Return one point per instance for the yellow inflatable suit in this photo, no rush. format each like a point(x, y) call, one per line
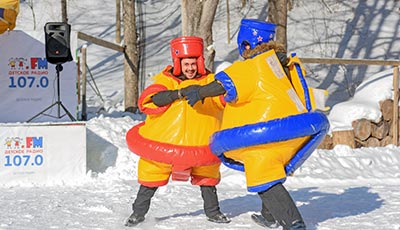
point(267, 120)
point(9, 10)
point(175, 138)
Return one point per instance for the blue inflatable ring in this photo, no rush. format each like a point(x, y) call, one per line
point(314, 124)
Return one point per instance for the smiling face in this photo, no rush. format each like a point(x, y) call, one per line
point(189, 67)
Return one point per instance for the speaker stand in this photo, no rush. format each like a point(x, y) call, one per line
point(58, 103)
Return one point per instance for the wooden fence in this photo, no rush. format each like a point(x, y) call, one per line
point(99, 42)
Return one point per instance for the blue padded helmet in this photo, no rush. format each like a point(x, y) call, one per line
point(254, 32)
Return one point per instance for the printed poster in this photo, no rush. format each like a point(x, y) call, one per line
point(28, 83)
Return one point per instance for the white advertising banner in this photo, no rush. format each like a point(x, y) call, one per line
point(28, 83)
point(43, 154)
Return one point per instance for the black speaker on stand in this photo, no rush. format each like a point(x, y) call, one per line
point(57, 42)
point(58, 52)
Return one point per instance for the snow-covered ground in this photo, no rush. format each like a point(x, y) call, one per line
point(341, 188)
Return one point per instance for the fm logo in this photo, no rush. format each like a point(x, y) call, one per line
point(34, 142)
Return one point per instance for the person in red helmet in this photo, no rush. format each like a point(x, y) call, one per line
point(173, 142)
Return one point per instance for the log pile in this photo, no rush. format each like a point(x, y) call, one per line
point(365, 133)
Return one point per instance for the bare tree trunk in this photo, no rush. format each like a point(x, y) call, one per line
point(131, 57)
point(290, 5)
point(118, 21)
point(197, 20)
point(64, 14)
point(185, 17)
point(244, 3)
point(30, 4)
point(228, 22)
point(277, 14)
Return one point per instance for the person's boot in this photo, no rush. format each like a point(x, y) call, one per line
point(211, 205)
point(298, 225)
point(269, 219)
point(265, 219)
point(281, 206)
point(263, 222)
point(141, 205)
point(219, 218)
point(134, 219)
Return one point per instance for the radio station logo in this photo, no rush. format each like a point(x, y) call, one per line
point(23, 145)
point(27, 66)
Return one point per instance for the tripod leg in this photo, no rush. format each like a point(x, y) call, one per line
point(58, 102)
point(69, 114)
point(42, 112)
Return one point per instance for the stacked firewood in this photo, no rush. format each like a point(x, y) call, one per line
point(365, 133)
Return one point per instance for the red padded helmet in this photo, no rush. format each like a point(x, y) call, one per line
point(185, 47)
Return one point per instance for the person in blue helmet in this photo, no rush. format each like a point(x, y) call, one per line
point(255, 93)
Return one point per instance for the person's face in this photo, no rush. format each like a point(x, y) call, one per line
point(189, 67)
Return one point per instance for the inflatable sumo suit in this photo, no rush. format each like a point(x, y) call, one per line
point(174, 139)
point(269, 127)
point(9, 10)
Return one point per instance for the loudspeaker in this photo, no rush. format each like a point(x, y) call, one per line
point(57, 42)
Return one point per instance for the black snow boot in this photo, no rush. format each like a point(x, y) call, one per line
point(269, 219)
point(133, 220)
point(263, 222)
point(211, 205)
point(298, 225)
point(266, 219)
point(219, 218)
point(281, 206)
